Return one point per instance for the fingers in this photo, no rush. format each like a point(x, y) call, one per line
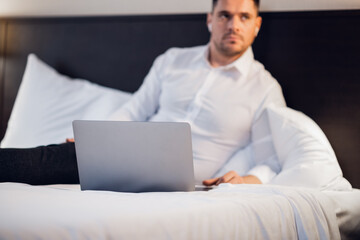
point(210, 182)
point(70, 140)
point(227, 177)
point(230, 177)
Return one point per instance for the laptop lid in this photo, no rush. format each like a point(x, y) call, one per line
point(134, 156)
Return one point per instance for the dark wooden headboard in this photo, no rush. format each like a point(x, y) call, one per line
point(314, 55)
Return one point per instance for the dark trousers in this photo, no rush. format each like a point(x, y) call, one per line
point(53, 164)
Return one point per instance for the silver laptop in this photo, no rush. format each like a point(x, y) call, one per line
point(134, 156)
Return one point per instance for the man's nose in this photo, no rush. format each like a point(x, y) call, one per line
point(234, 24)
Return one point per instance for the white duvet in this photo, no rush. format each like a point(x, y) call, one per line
point(229, 212)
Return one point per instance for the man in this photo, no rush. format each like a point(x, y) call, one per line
point(218, 88)
point(234, 25)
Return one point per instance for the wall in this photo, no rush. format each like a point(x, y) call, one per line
point(308, 5)
point(103, 7)
point(21, 8)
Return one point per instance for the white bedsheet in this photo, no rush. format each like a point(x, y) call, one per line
point(347, 212)
point(229, 212)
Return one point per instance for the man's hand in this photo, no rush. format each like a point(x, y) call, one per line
point(232, 177)
point(70, 140)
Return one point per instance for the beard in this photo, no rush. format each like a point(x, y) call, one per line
point(228, 51)
point(230, 48)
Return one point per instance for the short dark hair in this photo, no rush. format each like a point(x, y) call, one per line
point(257, 3)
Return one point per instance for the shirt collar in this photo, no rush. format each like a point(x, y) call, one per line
point(242, 64)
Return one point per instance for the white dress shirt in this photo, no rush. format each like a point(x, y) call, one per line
point(221, 104)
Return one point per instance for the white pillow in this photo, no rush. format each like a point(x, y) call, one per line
point(48, 102)
point(303, 151)
point(304, 154)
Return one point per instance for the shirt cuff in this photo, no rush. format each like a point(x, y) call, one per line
point(263, 172)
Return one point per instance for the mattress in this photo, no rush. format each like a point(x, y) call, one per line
point(347, 209)
point(228, 212)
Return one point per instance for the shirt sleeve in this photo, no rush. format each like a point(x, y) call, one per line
point(145, 101)
point(267, 165)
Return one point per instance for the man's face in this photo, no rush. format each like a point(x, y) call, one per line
point(234, 25)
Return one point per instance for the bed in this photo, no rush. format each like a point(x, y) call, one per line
point(112, 53)
point(230, 212)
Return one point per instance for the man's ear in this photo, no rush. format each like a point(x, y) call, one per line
point(209, 21)
point(209, 18)
point(258, 25)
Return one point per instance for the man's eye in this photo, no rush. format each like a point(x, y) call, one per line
point(244, 17)
point(224, 16)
